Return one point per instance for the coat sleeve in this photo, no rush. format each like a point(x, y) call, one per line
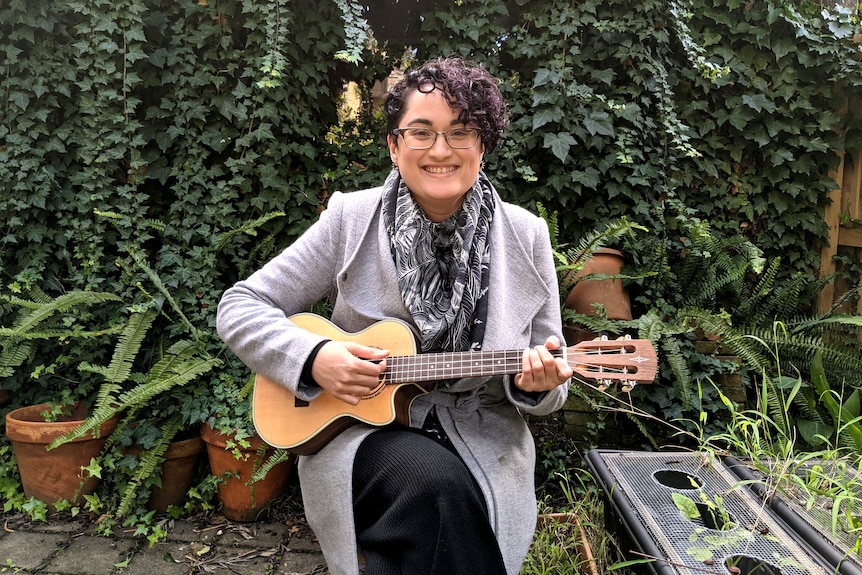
point(253, 315)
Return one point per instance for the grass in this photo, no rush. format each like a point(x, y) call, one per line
point(582, 544)
point(565, 540)
point(826, 478)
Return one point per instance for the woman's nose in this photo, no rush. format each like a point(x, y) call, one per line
point(440, 147)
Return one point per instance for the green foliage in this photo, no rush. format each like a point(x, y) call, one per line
point(568, 538)
point(835, 415)
point(618, 107)
point(122, 391)
point(40, 322)
point(206, 116)
point(158, 125)
point(555, 549)
point(159, 151)
point(709, 510)
point(683, 117)
point(10, 481)
point(188, 121)
point(735, 298)
point(570, 260)
point(813, 467)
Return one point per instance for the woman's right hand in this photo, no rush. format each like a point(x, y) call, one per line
point(349, 371)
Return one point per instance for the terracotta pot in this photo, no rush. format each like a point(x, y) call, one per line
point(575, 334)
point(242, 502)
point(608, 292)
point(178, 472)
point(56, 474)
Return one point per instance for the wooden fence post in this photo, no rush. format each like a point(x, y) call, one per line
point(845, 204)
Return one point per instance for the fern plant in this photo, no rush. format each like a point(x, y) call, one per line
point(700, 284)
point(126, 388)
point(158, 390)
point(571, 259)
point(139, 384)
point(41, 319)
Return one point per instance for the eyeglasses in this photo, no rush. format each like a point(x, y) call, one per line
point(424, 139)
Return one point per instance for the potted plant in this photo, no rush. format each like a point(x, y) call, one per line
point(590, 274)
point(605, 294)
point(63, 473)
point(252, 474)
point(130, 397)
point(53, 475)
point(176, 470)
point(163, 439)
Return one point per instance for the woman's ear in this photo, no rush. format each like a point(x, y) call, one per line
point(393, 148)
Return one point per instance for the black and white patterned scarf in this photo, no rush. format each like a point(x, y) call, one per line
point(442, 267)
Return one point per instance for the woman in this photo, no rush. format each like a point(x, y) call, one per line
point(437, 248)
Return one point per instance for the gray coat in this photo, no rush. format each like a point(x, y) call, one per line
point(345, 257)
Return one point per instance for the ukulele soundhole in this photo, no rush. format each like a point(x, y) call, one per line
point(376, 391)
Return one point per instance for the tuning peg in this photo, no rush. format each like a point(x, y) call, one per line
point(626, 386)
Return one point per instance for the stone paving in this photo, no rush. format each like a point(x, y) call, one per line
point(71, 546)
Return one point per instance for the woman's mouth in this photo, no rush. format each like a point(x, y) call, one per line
point(440, 169)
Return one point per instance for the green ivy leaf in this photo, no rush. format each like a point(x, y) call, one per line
point(599, 123)
point(758, 102)
point(544, 76)
point(94, 469)
point(20, 99)
point(546, 115)
point(559, 144)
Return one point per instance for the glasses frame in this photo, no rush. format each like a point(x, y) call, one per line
point(445, 134)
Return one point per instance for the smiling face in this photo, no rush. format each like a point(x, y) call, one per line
point(440, 176)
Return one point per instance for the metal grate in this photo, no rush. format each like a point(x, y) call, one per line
point(641, 487)
point(811, 514)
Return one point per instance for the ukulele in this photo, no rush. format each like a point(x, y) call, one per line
point(305, 427)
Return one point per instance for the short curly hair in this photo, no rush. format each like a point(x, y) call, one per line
point(467, 87)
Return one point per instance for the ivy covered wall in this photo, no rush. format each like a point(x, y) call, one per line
point(730, 107)
point(202, 136)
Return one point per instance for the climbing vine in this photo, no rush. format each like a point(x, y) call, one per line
point(211, 132)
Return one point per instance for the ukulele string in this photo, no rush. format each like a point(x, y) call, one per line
point(446, 365)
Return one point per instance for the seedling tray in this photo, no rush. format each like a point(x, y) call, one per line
point(749, 540)
point(811, 516)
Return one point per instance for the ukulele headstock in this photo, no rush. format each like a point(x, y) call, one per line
point(625, 362)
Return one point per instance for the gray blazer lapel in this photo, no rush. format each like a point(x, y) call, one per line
point(368, 284)
point(517, 290)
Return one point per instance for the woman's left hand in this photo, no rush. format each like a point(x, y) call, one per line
point(541, 371)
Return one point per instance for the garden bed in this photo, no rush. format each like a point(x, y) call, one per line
point(685, 512)
point(819, 503)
